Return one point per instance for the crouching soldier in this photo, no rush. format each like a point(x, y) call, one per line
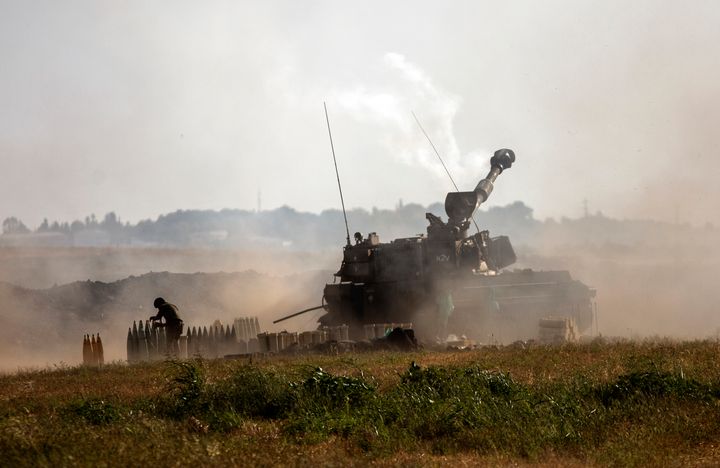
point(173, 324)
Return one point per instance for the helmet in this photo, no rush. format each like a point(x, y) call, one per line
point(158, 302)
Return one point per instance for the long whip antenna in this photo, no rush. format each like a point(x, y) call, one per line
point(337, 174)
point(437, 153)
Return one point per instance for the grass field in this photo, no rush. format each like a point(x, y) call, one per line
point(651, 403)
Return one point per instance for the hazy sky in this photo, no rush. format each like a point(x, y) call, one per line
point(146, 107)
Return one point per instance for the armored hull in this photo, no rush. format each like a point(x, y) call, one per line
point(507, 307)
point(489, 308)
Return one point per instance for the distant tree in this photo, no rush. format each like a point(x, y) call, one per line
point(111, 224)
point(110, 221)
point(44, 227)
point(77, 226)
point(518, 211)
point(91, 222)
point(12, 225)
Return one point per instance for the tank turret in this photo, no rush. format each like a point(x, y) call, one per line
point(460, 206)
point(449, 246)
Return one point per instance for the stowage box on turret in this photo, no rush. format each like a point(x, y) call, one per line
point(449, 282)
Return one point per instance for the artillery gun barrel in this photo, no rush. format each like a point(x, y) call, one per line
point(501, 160)
point(460, 206)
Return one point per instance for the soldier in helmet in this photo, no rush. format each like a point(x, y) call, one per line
point(173, 324)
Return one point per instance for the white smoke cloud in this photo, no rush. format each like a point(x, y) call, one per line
point(388, 104)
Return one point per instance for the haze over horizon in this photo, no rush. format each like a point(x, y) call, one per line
point(146, 108)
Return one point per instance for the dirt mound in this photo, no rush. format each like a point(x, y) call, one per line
point(40, 326)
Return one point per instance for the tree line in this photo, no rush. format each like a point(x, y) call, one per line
point(286, 227)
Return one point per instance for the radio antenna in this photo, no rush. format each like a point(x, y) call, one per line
point(337, 174)
point(437, 153)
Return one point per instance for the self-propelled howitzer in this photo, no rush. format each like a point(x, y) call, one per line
point(449, 282)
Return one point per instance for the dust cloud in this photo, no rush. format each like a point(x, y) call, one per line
point(44, 267)
point(665, 287)
point(42, 322)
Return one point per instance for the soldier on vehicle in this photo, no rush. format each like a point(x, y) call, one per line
point(173, 324)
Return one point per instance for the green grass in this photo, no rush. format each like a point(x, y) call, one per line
point(608, 404)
